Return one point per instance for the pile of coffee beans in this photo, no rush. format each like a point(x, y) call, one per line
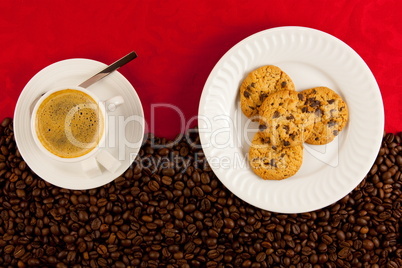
point(170, 210)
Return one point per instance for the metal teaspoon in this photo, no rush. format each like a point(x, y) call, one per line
point(102, 74)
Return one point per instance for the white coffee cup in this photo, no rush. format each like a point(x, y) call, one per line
point(87, 159)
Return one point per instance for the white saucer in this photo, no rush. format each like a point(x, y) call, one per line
point(73, 72)
point(311, 58)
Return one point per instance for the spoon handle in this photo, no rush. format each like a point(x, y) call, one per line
point(108, 70)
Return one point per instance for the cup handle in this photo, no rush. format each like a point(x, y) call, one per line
point(112, 103)
point(108, 161)
point(91, 168)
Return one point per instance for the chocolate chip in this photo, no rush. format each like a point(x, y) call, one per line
point(252, 85)
point(331, 124)
point(266, 140)
point(300, 96)
point(335, 132)
point(263, 96)
point(315, 103)
point(286, 143)
point(283, 84)
point(262, 127)
point(290, 117)
point(331, 101)
point(246, 94)
point(276, 114)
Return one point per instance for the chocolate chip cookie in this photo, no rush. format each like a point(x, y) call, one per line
point(259, 84)
point(329, 111)
point(282, 121)
point(274, 162)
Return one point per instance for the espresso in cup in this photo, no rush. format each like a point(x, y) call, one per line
point(69, 123)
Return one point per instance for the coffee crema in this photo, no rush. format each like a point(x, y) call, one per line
point(69, 123)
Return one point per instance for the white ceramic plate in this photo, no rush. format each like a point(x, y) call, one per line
point(73, 72)
point(311, 58)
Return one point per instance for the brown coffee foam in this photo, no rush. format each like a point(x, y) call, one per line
point(83, 117)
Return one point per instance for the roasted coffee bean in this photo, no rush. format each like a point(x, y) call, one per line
point(102, 250)
point(368, 244)
point(189, 208)
point(6, 122)
point(261, 257)
point(96, 223)
point(295, 229)
point(197, 192)
point(69, 239)
point(153, 185)
point(327, 239)
point(341, 235)
point(166, 180)
point(4, 150)
point(19, 251)
point(8, 249)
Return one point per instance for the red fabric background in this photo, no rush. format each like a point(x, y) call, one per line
point(179, 42)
